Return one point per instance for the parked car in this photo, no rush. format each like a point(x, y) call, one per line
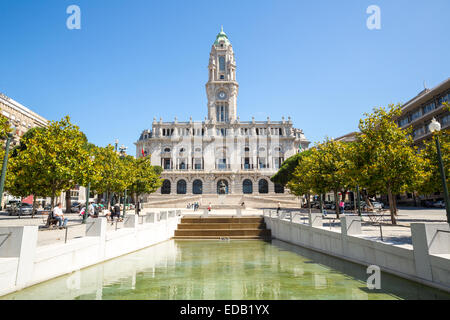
point(21, 209)
point(11, 203)
point(428, 204)
point(76, 207)
point(378, 205)
point(439, 204)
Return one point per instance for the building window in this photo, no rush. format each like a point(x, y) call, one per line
point(167, 164)
point(445, 120)
point(277, 163)
point(263, 186)
point(403, 121)
point(222, 113)
point(443, 99)
point(222, 164)
point(181, 187)
point(418, 132)
point(221, 63)
point(165, 189)
point(279, 188)
point(429, 107)
point(247, 186)
point(262, 163)
point(166, 149)
point(416, 115)
point(246, 149)
point(197, 187)
point(197, 164)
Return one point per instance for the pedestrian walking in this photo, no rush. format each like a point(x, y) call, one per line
point(341, 206)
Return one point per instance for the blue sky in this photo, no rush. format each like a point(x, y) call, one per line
point(315, 61)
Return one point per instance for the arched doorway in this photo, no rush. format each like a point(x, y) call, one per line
point(263, 186)
point(221, 183)
point(197, 187)
point(165, 188)
point(247, 186)
point(181, 187)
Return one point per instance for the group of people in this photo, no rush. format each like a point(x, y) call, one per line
point(194, 206)
point(93, 211)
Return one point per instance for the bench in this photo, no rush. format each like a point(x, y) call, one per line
point(53, 222)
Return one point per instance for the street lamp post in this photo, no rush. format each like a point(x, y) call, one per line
point(88, 191)
point(359, 201)
point(116, 143)
point(5, 162)
point(122, 155)
point(436, 127)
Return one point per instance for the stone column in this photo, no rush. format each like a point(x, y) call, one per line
point(131, 221)
point(350, 225)
point(315, 219)
point(429, 239)
point(20, 242)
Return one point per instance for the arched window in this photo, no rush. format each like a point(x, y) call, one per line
point(279, 188)
point(197, 187)
point(220, 185)
point(166, 149)
point(263, 186)
point(181, 187)
point(247, 186)
point(165, 189)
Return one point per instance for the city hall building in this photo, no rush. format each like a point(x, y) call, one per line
point(221, 155)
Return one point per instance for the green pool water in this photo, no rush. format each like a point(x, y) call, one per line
point(225, 270)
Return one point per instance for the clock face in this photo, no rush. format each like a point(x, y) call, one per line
point(222, 95)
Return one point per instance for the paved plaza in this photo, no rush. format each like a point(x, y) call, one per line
point(398, 235)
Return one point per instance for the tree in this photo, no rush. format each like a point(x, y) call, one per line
point(300, 180)
point(146, 178)
point(55, 159)
point(114, 173)
point(384, 156)
point(330, 169)
point(287, 169)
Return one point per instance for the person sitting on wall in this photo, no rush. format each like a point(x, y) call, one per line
point(59, 215)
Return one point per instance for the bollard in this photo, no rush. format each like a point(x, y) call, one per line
point(350, 225)
point(150, 217)
point(429, 239)
point(130, 221)
point(315, 219)
point(20, 242)
point(163, 215)
point(95, 227)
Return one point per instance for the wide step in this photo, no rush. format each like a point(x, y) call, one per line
point(233, 228)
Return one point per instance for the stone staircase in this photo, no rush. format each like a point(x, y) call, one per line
point(248, 228)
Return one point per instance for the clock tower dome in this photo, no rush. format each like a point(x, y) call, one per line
point(222, 87)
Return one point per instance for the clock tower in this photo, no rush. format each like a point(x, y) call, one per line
point(222, 88)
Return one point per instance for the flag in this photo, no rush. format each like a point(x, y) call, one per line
point(142, 151)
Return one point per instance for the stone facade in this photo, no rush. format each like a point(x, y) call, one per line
point(199, 156)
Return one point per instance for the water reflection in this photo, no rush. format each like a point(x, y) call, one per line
point(225, 270)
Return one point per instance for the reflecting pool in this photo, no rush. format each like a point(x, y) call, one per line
point(226, 270)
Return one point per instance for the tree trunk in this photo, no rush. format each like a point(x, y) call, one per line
point(392, 207)
point(135, 203)
point(336, 202)
point(52, 204)
point(34, 206)
point(68, 202)
point(107, 200)
point(308, 201)
point(395, 205)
